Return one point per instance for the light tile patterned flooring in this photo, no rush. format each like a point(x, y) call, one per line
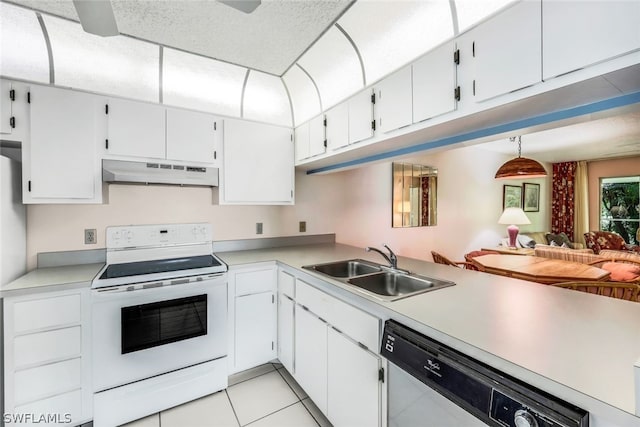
point(265, 396)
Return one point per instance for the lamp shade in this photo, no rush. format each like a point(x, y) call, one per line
point(515, 216)
point(521, 167)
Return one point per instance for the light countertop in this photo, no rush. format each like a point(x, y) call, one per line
point(577, 346)
point(559, 340)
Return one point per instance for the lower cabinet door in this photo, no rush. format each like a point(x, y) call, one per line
point(354, 392)
point(311, 356)
point(285, 332)
point(255, 330)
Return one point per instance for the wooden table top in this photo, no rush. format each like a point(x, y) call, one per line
point(539, 269)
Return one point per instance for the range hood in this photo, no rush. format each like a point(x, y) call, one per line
point(163, 172)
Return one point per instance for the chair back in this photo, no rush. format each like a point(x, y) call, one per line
point(473, 254)
point(441, 259)
point(598, 240)
point(625, 291)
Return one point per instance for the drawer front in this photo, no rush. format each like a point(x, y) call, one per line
point(48, 380)
point(46, 313)
point(286, 284)
point(65, 408)
point(355, 323)
point(252, 282)
point(47, 346)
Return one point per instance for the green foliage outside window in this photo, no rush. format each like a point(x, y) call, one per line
point(620, 206)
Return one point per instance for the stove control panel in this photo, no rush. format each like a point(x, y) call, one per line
point(139, 236)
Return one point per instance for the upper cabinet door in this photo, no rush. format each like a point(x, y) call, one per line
point(434, 80)
point(192, 136)
point(578, 34)
point(62, 159)
point(258, 163)
point(361, 116)
point(507, 51)
point(317, 140)
point(338, 127)
point(393, 101)
point(302, 141)
point(136, 129)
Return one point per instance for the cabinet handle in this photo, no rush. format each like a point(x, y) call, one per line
point(12, 94)
point(106, 144)
point(456, 93)
point(373, 98)
point(456, 57)
point(29, 186)
point(106, 108)
point(373, 125)
point(473, 49)
point(215, 155)
point(474, 88)
point(12, 122)
point(215, 125)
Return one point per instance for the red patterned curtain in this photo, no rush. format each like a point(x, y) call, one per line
point(562, 198)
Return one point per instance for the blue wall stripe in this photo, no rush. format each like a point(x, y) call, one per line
point(606, 104)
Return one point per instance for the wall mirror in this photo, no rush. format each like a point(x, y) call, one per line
point(415, 194)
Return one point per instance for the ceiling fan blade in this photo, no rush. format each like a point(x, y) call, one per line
point(96, 17)
point(246, 6)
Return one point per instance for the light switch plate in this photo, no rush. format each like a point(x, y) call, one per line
point(303, 227)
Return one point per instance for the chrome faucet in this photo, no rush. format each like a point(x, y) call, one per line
point(392, 259)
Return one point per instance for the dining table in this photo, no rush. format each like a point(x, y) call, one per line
point(539, 269)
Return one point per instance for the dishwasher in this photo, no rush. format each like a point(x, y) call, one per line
point(432, 385)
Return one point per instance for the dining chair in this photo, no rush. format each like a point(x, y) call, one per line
point(441, 259)
point(625, 291)
point(473, 254)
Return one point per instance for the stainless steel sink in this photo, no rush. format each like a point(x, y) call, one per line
point(392, 286)
point(378, 281)
point(349, 268)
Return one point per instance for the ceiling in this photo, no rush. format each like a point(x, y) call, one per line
point(611, 137)
point(270, 39)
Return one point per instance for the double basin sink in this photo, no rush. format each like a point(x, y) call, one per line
point(378, 281)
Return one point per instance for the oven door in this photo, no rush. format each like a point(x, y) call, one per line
point(143, 333)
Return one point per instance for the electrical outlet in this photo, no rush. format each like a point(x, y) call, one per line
point(303, 226)
point(258, 228)
point(90, 237)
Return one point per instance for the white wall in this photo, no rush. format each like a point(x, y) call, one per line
point(13, 222)
point(469, 205)
point(61, 227)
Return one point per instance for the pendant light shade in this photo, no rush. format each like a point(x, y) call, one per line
point(520, 167)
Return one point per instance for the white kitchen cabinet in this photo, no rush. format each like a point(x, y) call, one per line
point(255, 330)
point(286, 308)
point(252, 317)
point(353, 380)
point(192, 136)
point(579, 34)
point(301, 137)
point(337, 129)
point(506, 52)
point(135, 129)
point(393, 101)
point(60, 159)
point(311, 356)
point(7, 98)
point(258, 164)
point(310, 138)
point(434, 82)
point(47, 368)
point(361, 120)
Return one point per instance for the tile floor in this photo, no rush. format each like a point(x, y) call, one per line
point(265, 396)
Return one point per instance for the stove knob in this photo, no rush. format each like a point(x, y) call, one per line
point(523, 418)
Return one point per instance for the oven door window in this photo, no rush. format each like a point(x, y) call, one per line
point(155, 324)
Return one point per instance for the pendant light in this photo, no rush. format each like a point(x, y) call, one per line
point(520, 167)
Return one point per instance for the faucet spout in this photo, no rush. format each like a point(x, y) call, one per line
point(392, 259)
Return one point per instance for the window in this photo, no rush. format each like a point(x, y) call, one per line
point(620, 206)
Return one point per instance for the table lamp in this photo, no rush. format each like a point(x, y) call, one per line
point(513, 217)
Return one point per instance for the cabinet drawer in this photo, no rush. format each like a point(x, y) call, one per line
point(355, 323)
point(67, 407)
point(56, 378)
point(252, 282)
point(286, 284)
point(46, 313)
point(47, 346)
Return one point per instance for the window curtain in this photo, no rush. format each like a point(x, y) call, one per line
point(581, 212)
point(563, 198)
